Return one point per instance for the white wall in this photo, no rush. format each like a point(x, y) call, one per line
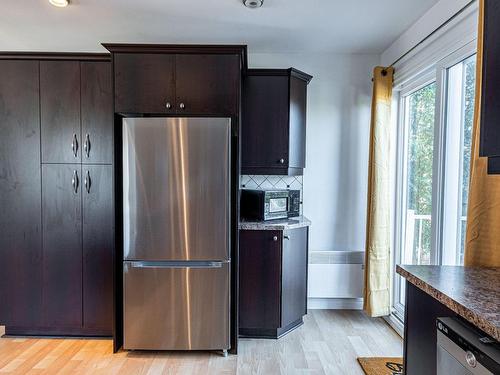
point(338, 122)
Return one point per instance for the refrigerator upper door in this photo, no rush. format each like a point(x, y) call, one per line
point(175, 306)
point(176, 188)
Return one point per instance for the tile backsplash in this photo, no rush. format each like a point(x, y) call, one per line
point(271, 182)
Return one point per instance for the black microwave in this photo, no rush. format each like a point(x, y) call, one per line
point(263, 205)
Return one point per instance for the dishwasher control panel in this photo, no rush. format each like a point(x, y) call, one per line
point(464, 349)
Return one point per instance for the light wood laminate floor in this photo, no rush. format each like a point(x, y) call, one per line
point(328, 343)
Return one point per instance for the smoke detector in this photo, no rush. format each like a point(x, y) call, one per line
point(253, 3)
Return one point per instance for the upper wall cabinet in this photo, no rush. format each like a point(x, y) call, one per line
point(490, 110)
point(76, 112)
point(177, 80)
point(274, 121)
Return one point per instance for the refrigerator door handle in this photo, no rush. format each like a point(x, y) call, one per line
point(178, 264)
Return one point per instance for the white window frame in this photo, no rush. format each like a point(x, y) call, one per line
point(401, 178)
point(436, 72)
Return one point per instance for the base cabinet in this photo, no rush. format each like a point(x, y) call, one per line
point(273, 281)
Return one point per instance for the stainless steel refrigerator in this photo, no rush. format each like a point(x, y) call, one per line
point(176, 229)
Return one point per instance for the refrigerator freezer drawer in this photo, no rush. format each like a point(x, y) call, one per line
point(176, 305)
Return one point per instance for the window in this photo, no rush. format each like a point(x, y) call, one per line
point(417, 141)
point(460, 90)
point(434, 141)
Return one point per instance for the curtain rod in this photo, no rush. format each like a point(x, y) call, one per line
point(433, 32)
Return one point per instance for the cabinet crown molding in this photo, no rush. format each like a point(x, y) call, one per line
point(220, 49)
point(281, 72)
point(10, 55)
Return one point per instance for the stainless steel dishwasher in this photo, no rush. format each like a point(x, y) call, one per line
point(464, 350)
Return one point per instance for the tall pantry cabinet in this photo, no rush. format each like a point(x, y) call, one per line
point(56, 184)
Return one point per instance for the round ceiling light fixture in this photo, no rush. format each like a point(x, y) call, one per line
point(59, 3)
point(253, 3)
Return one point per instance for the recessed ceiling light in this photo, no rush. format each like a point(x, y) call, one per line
point(253, 3)
point(59, 3)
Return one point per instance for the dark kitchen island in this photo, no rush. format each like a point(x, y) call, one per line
point(472, 294)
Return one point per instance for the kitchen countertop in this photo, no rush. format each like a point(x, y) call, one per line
point(280, 224)
point(473, 293)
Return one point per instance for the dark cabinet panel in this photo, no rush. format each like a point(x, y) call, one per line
point(294, 276)
point(274, 121)
point(144, 83)
point(264, 139)
point(98, 242)
point(97, 113)
point(20, 211)
point(273, 281)
point(421, 312)
point(297, 126)
point(260, 274)
point(207, 84)
point(62, 245)
point(490, 109)
point(60, 111)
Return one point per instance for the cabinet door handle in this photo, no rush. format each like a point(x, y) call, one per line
point(168, 105)
point(182, 106)
point(74, 145)
point(74, 181)
point(286, 237)
point(87, 182)
point(281, 161)
point(275, 238)
point(86, 145)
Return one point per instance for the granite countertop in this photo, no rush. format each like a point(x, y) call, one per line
point(473, 293)
point(280, 224)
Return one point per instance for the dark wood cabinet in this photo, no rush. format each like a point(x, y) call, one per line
point(273, 136)
point(62, 245)
point(421, 312)
point(208, 84)
point(57, 217)
point(60, 111)
point(96, 112)
point(98, 243)
point(20, 189)
point(144, 83)
point(273, 281)
point(490, 110)
point(294, 276)
point(204, 81)
point(78, 240)
point(260, 278)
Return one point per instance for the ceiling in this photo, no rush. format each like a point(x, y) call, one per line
point(347, 26)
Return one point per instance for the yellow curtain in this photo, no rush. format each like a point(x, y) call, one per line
point(377, 296)
point(483, 213)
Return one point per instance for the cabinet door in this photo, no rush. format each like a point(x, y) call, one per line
point(294, 276)
point(490, 110)
point(208, 84)
point(60, 111)
point(62, 245)
point(97, 113)
point(259, 279)
point(264, 133)
point(97, 197)
point(144, 83)
point(20, 184)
